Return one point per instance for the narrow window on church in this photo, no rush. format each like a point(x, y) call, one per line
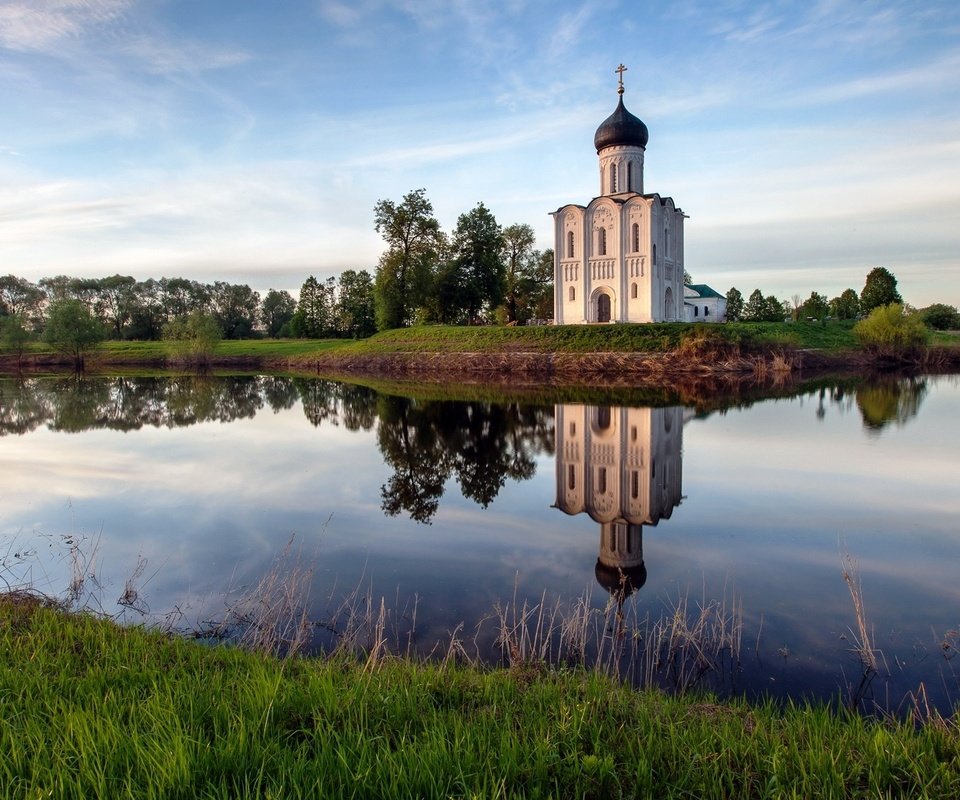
point(696, 311)
point(666, 242)
point(635, 237)
point(654, 255)
point(602, 242)
point(569, 244)
point(573, 428)
point(573, 293)
point(602, 480)
point(629, 176)
point(633, 291)
point(613, 178)
point(633, 433)
point(635, 484)
point(571, 478)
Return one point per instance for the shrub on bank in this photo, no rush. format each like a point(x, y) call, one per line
point(890, 332)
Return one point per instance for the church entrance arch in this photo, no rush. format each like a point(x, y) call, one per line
point(603, 307)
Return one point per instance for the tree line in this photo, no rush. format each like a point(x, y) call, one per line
point(480, 272)
point(879, 289)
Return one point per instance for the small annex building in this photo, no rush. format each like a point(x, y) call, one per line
point(620, 257)
point(703, 304)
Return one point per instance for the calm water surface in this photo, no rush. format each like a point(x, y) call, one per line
point(464, 505)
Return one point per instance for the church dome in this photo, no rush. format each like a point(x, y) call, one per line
point(622, 128)
point(623, 581)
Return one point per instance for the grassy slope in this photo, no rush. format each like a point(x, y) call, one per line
point(90, 710)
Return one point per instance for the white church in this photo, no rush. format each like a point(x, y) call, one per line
point(620, 257)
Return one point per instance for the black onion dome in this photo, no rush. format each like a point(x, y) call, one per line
point(621, 127)
point(620, 580)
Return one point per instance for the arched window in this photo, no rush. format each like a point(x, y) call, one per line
point(602, 241)
point(633, 291)
point(613, 178)
point(571, 478)
point(666, 241)
point(602, 480)
point(569, 244)
point(654, 255)
point(629, 176)
point(635, 237)
point(573, 293)
point(696, 311)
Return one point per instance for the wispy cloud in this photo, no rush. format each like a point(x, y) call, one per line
point(39, 25)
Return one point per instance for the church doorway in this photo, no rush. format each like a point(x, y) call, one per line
point(603, 308)
point(668, 313)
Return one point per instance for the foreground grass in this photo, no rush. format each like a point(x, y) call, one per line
point(90, 710)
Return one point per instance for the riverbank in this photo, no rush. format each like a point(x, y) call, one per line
point(91, 709)
point(624, 354)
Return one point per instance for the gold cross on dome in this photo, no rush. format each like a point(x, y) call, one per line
point(621, 69)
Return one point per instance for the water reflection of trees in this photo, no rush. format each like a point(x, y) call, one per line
point(881, 401)
point(76, 404)
point(479, 444)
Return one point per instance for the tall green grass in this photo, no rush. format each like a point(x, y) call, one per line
point(91, 710)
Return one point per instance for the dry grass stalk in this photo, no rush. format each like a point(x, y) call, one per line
point(863, 646)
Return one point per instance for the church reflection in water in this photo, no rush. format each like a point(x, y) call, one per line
point(621, 466)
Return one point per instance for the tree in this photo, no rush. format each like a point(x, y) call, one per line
point(193, 338)
point(518, 254)
point(773, 310)
point(14, 337)
point(734, 304)
point(72, 330)
point(941, 317)
point(406, 270)
point(277, 310)
point(113, 299)
point(846, 306)
point(20, 298)
point(478, 271)
point(355, 314)
point(755, 307)
point(314, 316)
point(235, 307)
point(887, 331)
point(880, 289)
point(815, 306)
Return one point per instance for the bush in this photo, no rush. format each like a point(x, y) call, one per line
point(941, 317)
point(888, 332)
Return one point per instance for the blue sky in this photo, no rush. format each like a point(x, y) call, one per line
point(249, 141)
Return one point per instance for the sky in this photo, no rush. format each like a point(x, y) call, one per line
point(248, 141)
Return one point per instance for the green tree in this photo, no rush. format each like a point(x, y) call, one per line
point(734, 304)
point(887, 331)
point(479, 271)
point(20, 298)
point(355, 308)
point(518, 256)
point(846, 306)
point(755, 308)
point(941, 317)
point(314, 316)
point(14, 337)
point(277, 310)
point(72, 329)
point(815, 306)
point(407, 268)
point(236, 308)
point(773, 310)
point(113, 300)
point(193, 338)
point(880, 289)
